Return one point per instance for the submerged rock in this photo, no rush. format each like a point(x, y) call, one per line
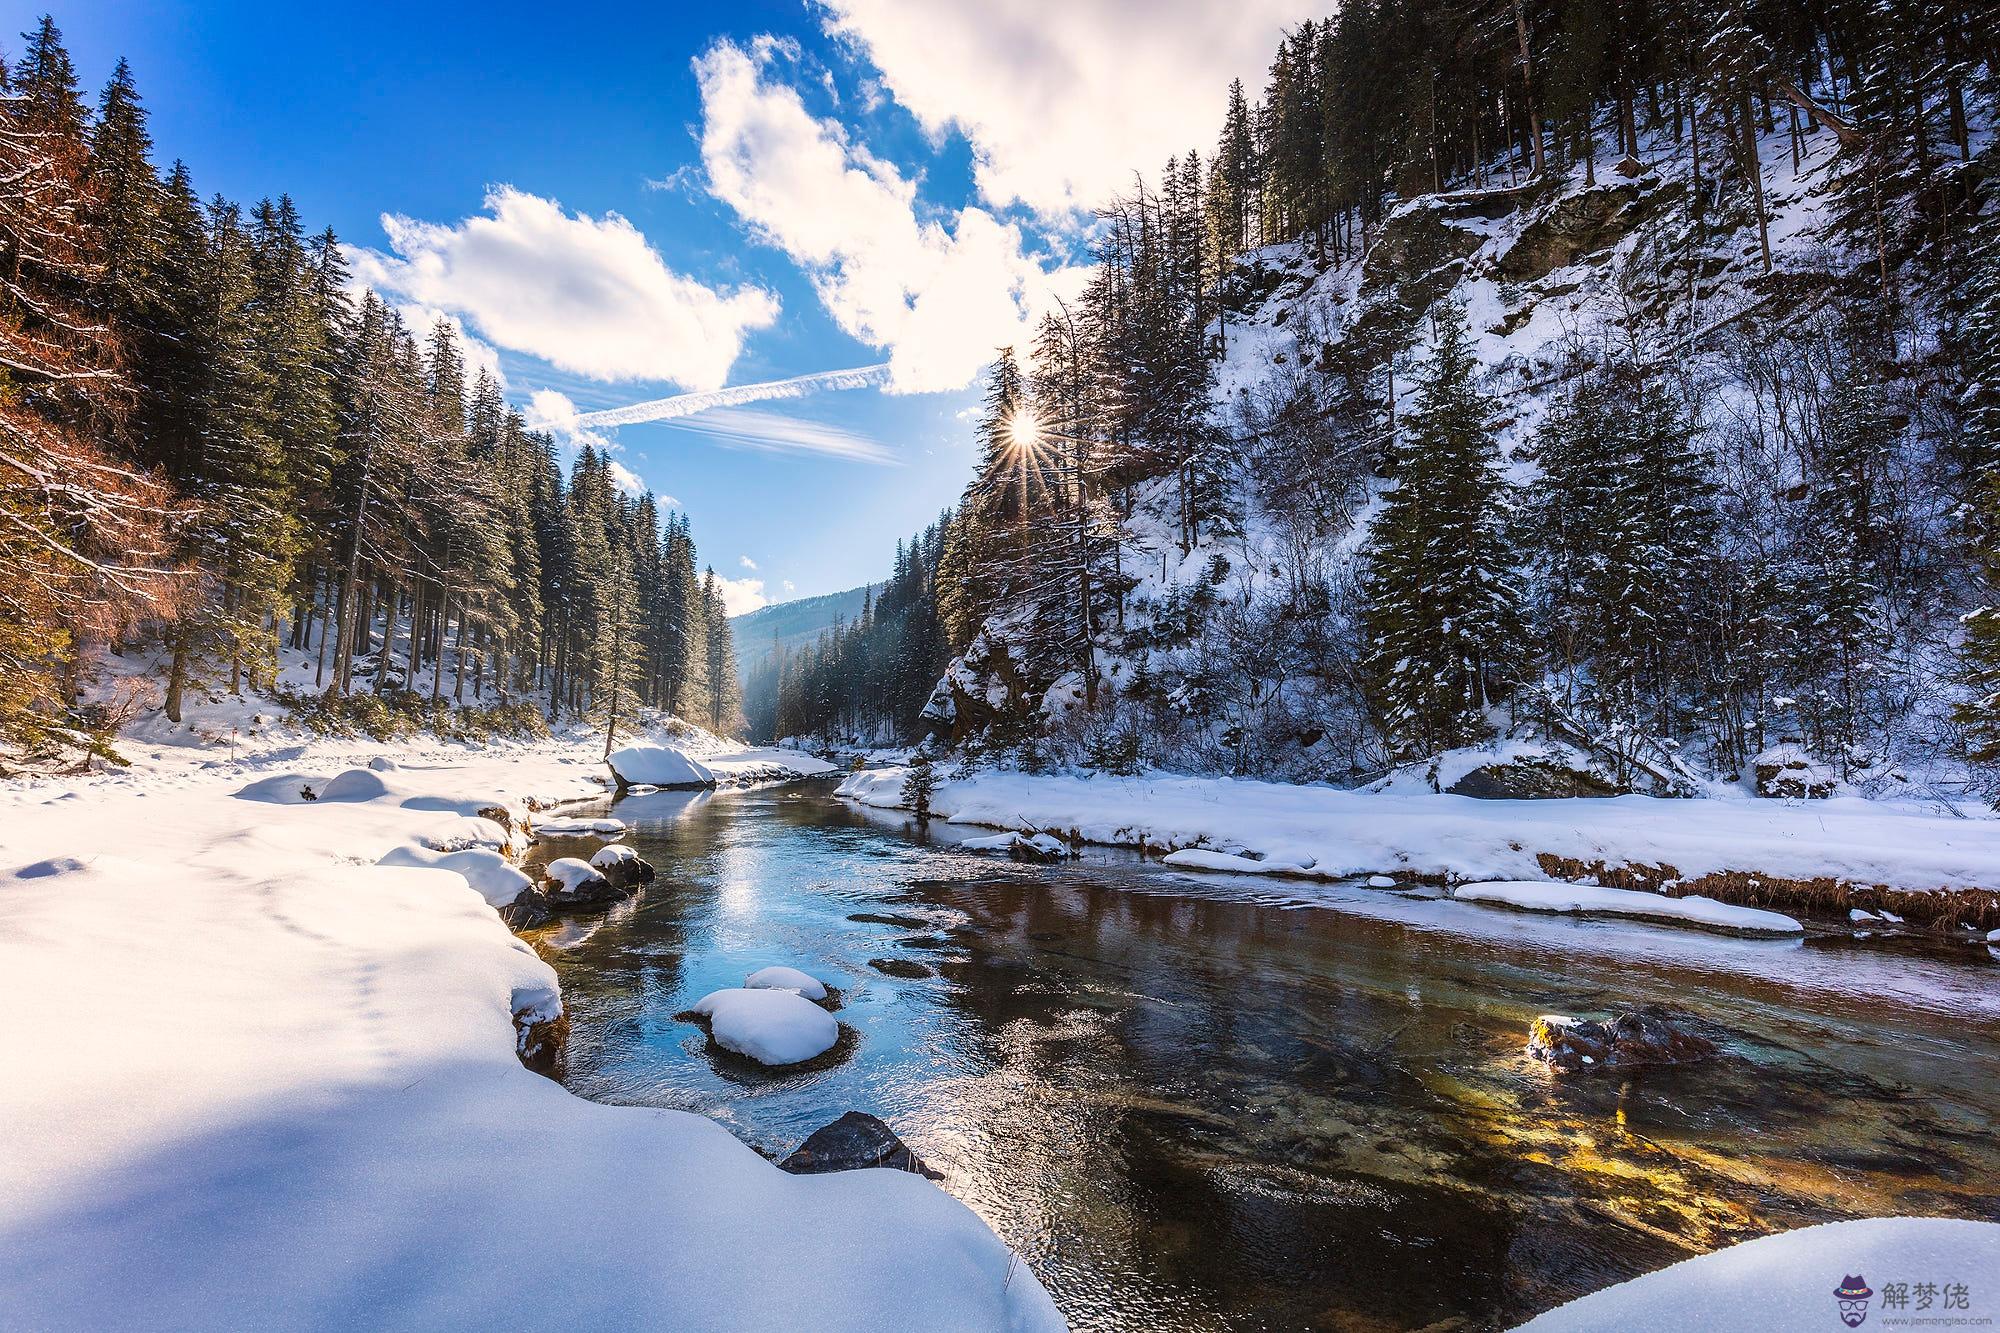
point(901, 967)
point(1626, 1040)
point(855, 1141)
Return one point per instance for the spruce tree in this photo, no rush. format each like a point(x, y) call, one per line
point(1442, 618)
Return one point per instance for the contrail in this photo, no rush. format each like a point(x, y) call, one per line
point(687, 404)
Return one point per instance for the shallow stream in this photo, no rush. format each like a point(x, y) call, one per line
point(1206, 1102)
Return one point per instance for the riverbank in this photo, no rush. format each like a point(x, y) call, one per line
point(258, 1078)
point(1926, 866)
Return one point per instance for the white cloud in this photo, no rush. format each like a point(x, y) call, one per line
point(786, 584)
point(1062, 100)
point(625, 479)
point(938, 298)
point(741, 595)
point(774, 432)
point(587, 295)
point(552, 411)
point(747, 563)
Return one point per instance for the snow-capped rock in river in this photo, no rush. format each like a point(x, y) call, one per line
point(786, 978)
point(772, 1027)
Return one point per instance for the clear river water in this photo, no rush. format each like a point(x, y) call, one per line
point(1219, 1102)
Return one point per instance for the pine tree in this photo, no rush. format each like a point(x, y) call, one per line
point(1980, 484)
point(1442, 615)
point(84, 534)
point(615, 692)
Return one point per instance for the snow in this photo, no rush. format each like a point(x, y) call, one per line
point(1041, 843)
point(489, 873)
point(1693, 910)
point(772, 1027)
point(769, 763)
point(570, 872)
point(658, 766)
point(566, 828)
point(1200, 858)
point(697, 759)
point(266, 1082)
point(786, 978)
point(1339, 834)
point(466, 831)
point(616, 854)
point(1381, 882)
point(1785, 1283)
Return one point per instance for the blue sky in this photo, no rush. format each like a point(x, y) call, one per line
point(626, 203)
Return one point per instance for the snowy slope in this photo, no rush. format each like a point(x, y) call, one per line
point(258, 1081)
point(1539, 268)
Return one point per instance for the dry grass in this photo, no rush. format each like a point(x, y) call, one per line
point(1936, 910)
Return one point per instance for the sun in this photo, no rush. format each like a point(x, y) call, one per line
point(1024, 431)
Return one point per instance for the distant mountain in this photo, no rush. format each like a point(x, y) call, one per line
point(791, 625)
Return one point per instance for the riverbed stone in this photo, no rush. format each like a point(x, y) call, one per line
point(529, 908)
point(1628, 1039)
point(855, 1141)
point(584, 894)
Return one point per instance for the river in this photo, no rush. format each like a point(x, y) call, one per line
point(1209, 1102)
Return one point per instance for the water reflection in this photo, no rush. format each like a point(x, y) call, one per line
point(1235, 1103)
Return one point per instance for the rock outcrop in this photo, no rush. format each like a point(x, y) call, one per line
point(1787, 772)
point(1530, 779)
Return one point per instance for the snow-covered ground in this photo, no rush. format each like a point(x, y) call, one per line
point(259, 1079)
point(1328, 833)
point(1787, 1283)
point(1591, 900)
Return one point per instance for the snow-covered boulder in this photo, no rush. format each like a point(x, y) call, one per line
point(623, 866)
point(786, 978)
point(772, 1027)
point(1506, 770)
point(356, 784)
point(856, 1141)
point(283, 789)
point(571, 882)
point(658, 766)
point(1788, 772)
point(1591, 900)
point(1636, 1037)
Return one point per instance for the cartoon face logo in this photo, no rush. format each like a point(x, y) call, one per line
point(1852, 1294)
